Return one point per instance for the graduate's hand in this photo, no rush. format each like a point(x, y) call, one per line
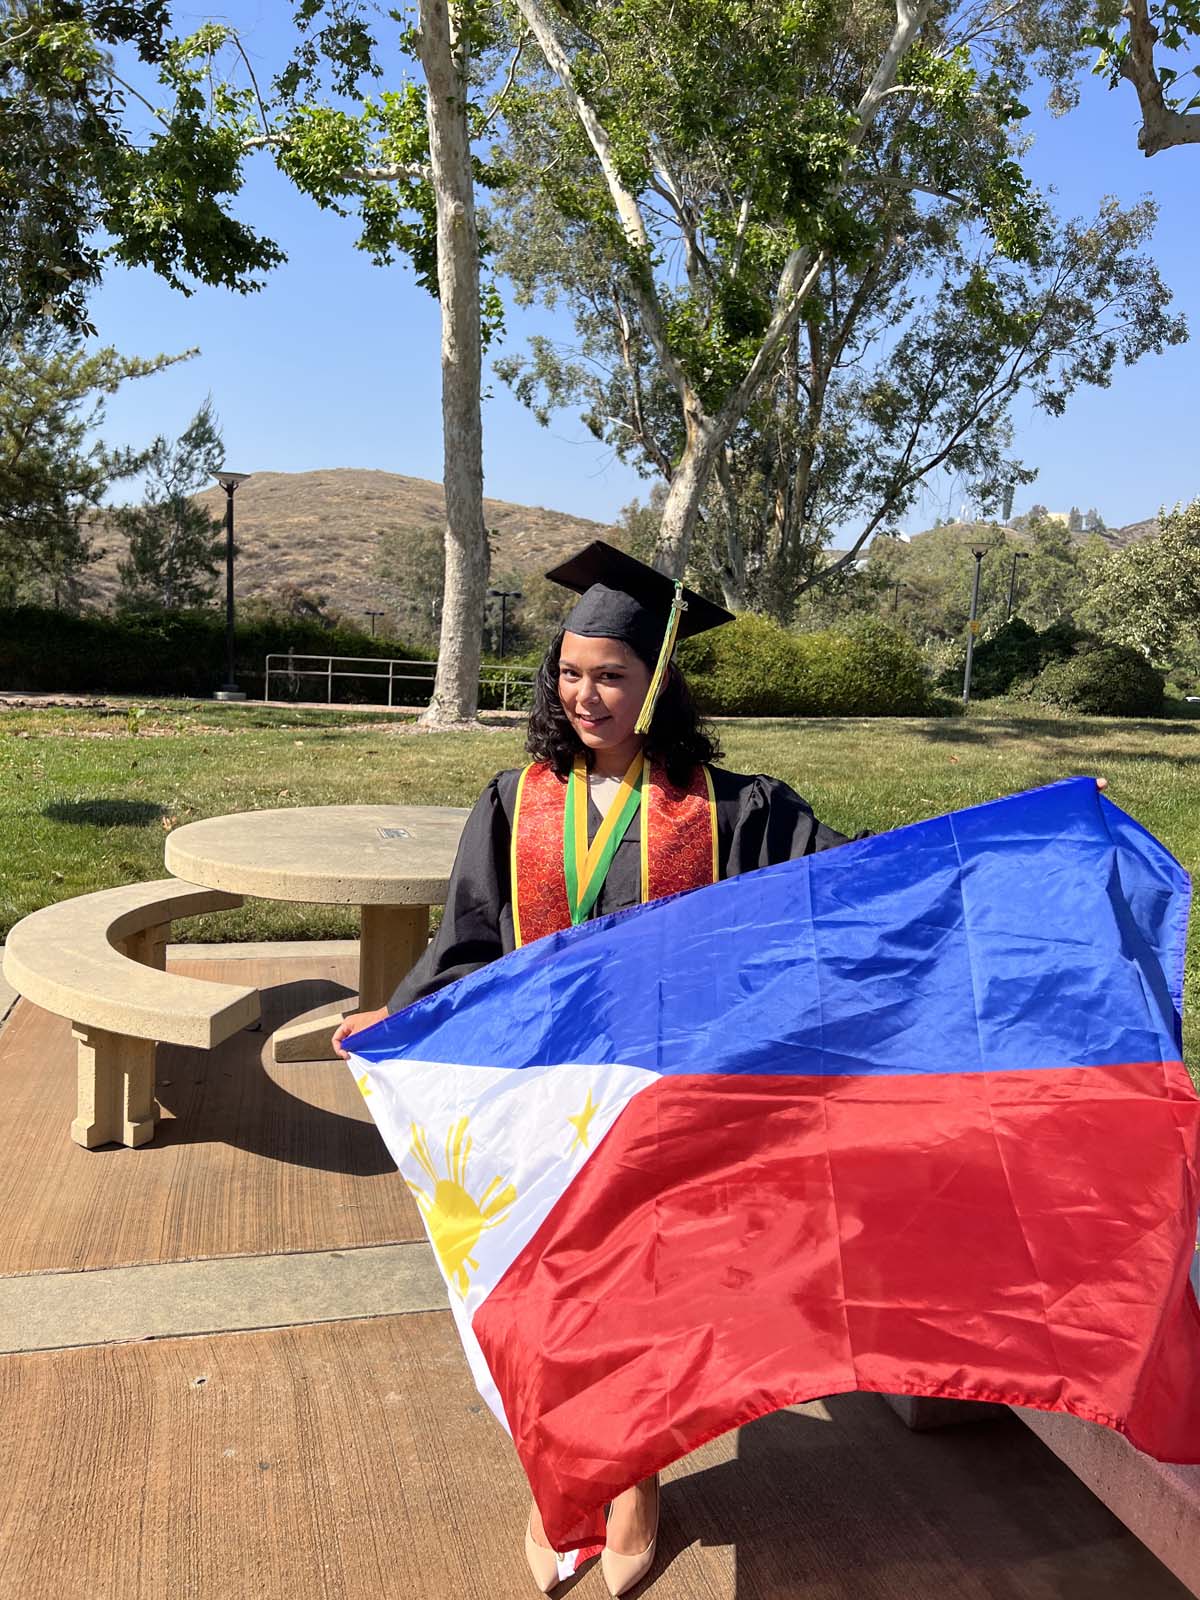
point(353, 1024)
point(1102, 783)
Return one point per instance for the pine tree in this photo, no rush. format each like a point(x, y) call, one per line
point(54, 470)
point(174, 544)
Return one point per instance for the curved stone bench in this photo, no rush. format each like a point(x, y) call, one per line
point(99, 960)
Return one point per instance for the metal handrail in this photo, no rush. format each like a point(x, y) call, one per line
point(501, 677)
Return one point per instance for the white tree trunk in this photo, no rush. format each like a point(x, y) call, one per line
point(681, 509)
point(456, 688)
point(1161, 127)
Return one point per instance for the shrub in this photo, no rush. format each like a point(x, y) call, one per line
point(997, 663)
point(179, 653)
point(753, 667)
point(882, 672)
point(747, 668)
point(1106, 680)
point(1007, 660)
point(1061, 640)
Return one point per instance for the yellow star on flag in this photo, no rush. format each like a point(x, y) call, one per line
point(582, 1121)
point(364, 1084)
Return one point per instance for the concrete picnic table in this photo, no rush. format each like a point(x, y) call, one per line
point(393, 862)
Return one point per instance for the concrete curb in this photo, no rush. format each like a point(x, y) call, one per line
point(181, 1299)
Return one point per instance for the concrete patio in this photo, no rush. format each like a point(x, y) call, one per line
point(225, 1370)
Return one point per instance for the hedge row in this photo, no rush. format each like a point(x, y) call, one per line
point(178, 653)
point(752, 667)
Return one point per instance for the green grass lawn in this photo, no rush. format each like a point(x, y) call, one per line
point(85, 803)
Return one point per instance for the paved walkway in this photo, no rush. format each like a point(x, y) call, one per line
point(226, 1370)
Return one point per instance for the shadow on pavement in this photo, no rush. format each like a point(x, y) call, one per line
point(237, 1095)
point(839, 1501)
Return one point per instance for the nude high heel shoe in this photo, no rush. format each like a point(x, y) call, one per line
point(543, 1563)
point(622, 1572)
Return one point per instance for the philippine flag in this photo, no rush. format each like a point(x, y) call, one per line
point(908, 1116)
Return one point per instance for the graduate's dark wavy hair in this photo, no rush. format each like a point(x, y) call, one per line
point(678, 736)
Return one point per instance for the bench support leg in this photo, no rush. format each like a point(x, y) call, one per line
point(393, 938)
point(116, 1102)
point(149, 946)
point(393, 941)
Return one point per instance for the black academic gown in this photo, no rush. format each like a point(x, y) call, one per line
point(760, 822)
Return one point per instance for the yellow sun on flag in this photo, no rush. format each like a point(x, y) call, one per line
point(455, 1219)
point(364, 1084)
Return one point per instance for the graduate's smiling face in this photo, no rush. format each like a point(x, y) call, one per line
point(601, 685)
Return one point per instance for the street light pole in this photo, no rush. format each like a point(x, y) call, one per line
point(229, 482)
point(373, 615)
point(1018, 555)
point(972, 625)
point(504, 596)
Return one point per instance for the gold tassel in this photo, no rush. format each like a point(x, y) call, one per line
point(646, 714)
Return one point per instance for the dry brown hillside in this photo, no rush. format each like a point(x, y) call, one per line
point(318, 531)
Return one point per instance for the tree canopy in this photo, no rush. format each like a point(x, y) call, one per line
point(54, 471)
point(174, 543)
point(1148, 594)
point(169, 121)
point(805, 263)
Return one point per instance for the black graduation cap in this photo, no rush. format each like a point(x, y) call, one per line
point(623, 598)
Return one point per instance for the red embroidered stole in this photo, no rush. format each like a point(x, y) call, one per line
point(678, 844)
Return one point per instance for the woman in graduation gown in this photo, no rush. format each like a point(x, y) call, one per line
point(621, 803)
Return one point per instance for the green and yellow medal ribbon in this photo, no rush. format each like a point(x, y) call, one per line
point(586, 866)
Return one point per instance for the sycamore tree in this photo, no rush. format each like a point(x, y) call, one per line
point(175, 543)
point(60, 137)
point(170, 122)
point(805, 264)
point(907, 373)
point(1152, 45)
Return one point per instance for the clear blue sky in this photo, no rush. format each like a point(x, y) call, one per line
point(335, 362)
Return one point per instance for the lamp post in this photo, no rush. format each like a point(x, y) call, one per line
point(229, 482)
point(504, 596)
point(373, 615)
point(1018, 555)
point(972, 626)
